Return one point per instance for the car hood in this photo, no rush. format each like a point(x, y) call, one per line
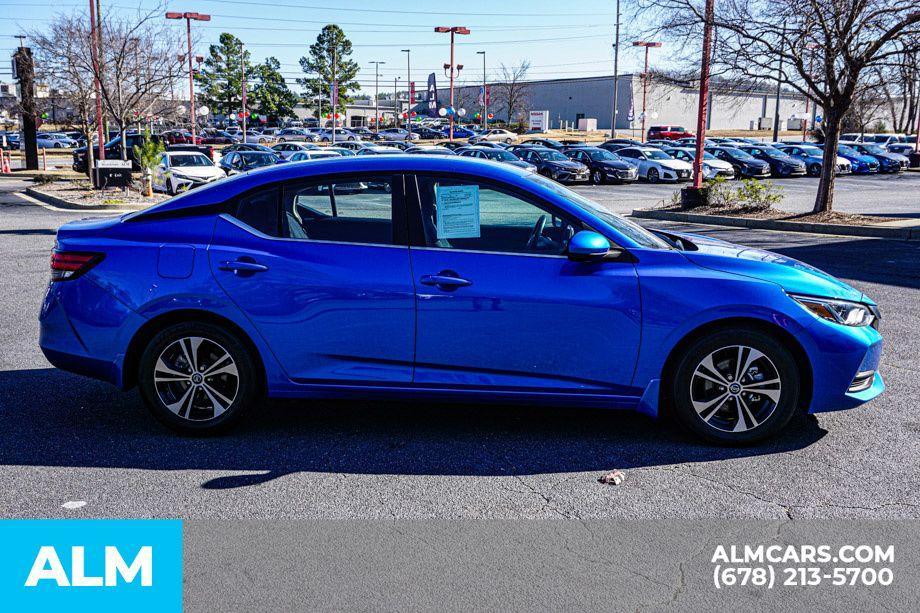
point(790, 274)
point(894, 157)
point(565, 164)
point(199, 172)
point(616, 164)
point(674, 164)
point(717, 164)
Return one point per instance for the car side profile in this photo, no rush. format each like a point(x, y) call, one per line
point(434, 278)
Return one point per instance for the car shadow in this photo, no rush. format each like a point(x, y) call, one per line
point(52, 418)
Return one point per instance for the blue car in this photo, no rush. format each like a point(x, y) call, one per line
point(862, 164)
point(459, 132)
point(446, 278)
point(887, 161)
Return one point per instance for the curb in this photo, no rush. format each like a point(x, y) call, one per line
point(60, 203)
point(906, 233)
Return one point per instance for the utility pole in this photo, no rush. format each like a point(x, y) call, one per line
point(410, 89)
point(779, 85)
point(616, 73)
point(25, 71)
point(647, 46)
point(243, 82)
point(188, 17)
point(452, 30)
point(377, 95)
point(704, 97)
point(485, 92)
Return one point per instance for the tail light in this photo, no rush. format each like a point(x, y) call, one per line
point(66, 265)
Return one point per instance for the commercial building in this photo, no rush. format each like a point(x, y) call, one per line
point(731, 107)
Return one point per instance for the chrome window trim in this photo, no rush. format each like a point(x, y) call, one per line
point(254, 232)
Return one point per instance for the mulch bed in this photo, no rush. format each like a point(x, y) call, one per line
point(831, 217)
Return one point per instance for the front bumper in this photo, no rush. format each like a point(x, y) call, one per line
point(570, 175)
point(622, 176)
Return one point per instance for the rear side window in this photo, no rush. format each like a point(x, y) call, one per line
point(348, 211)
point(259, 210)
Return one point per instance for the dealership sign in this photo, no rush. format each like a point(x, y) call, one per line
point(432, 96)
point(538, 120)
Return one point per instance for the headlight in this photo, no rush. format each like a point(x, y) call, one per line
point(842, 312)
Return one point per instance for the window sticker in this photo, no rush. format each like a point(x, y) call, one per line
point(457, 211)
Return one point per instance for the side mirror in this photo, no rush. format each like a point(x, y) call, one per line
point(587, 245)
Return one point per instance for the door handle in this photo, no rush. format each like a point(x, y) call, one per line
point(446, 279)
point(242, 266)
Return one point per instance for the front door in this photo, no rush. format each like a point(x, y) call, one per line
point(501, 305)
point(322, 271)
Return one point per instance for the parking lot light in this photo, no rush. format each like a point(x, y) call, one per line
point(189, 17)
point(647, 45)
point(450, 67)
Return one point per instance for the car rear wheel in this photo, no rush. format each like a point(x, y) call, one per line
point(652, 175)
point(197, 378)
point(735, 387)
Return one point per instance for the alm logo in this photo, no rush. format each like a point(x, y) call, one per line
point(47, 567)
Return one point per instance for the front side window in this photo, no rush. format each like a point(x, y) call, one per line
point(348, 211)
point(471, 215)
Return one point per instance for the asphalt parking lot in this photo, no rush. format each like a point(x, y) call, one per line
point(67, 440)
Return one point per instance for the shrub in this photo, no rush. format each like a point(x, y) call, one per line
point(754, 195)
point(718, 193)
point(44, 179)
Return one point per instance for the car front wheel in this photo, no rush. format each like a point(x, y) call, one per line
point(652, 175)
point(735, 387)
point(197, 378)
point(596, 177)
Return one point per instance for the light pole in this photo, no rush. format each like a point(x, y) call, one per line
point(485, 95)
point(779, 86)
point(647, 45)
point(377, 95)
point(188, 17)
point(243, 97)
point(453, 30)
point(94, 53)
point(408, 53)
point(704, 97)
point(395, 103)
point(616, 73)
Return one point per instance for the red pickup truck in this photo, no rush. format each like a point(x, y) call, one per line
point(668, 133)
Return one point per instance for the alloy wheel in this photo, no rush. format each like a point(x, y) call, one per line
point(735, 388)
point(196, 378)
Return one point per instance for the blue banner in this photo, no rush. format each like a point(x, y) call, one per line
point(91, 565)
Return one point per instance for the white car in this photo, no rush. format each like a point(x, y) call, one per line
point(397, 134)
point(655, 165)
point(712, 166)
point(496, 135)
point(179, 171)
point(288, 148)
point(54, 140)
point(314, 154)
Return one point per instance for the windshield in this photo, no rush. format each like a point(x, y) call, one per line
point(738, 153)
point(553, 156)
point(500, 154)
point(634, 232)
point(189, 160)
point(812, 151)
point(844, 150)
point(874, 149)
point(602, 154)
point(656, 154)
point(257, 158)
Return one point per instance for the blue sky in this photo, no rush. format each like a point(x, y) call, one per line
point(559, 39)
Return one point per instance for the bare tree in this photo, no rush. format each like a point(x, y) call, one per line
point(822, 48)
point(63, 61)
point(512, 93)
point(140, 61)
point(899, 85)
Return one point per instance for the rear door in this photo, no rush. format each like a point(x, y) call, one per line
point(321, 269)
point(500, 305)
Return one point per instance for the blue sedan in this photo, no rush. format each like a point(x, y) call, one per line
point(446, 278)
point(862, 164)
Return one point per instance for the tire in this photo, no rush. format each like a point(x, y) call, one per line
point(597, 178)
point(714, 404)
point(652, 175)
point(738, 173)
point(185, 401)
point(814, 170)
point(169, 188)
